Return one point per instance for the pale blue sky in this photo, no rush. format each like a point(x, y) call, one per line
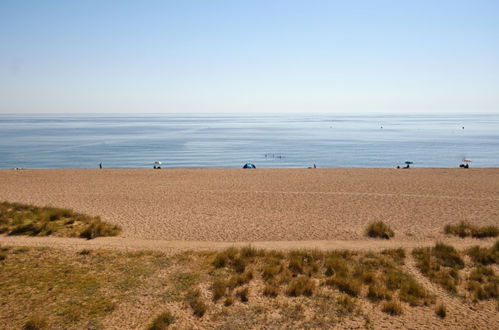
point(249, 56)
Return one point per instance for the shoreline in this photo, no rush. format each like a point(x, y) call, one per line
point(240, 168)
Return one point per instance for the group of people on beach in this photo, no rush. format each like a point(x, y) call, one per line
point(465, 165)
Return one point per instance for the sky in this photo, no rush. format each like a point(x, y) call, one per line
point(255, 56)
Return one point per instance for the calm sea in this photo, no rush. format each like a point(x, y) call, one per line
point(136, 141)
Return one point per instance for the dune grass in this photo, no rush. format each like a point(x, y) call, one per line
point(61, 288)
point(482, 281)
point(162, 321)
point(484, 256)
point(379, 229)
point(441, 264)
point(375, 276)
point(302, 288)
point(441, 311)
point(35, 322)
point(466, 229)
point(24, 219)
point(196, 302)
point(392, 308)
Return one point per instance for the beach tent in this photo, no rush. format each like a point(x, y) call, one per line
point(249, 165)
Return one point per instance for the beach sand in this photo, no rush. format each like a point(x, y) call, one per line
point(177, 210)
point(236, 205)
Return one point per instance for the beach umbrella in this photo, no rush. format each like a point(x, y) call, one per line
point(157, 162)
point(249, 165)
point(408, 163)
point(467, 160)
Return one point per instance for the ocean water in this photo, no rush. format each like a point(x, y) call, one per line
point(229, 141)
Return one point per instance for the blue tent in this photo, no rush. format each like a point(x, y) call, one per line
point(249, 165)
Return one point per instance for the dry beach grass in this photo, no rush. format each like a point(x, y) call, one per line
point(229, 289)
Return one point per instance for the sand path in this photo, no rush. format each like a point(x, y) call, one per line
point(117, 243)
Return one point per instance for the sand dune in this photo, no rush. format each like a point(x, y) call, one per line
point(236, 205)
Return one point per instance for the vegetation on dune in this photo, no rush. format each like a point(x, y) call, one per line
point(484, 256)
point(58, 288)
point(162, 321)
point(442, 264)
point(441, 311)
point(35, 322)
point(376, 276)
point(483, 283)
point(379, 229)
point(196, 302)
point(23, 219)
point(233, 288)
point(392, 308)
point(466, 229)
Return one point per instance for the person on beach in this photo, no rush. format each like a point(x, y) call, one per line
point(100, 165)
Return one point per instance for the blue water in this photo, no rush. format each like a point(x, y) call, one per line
point(136, 141)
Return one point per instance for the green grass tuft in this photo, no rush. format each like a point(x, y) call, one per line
point(98, 228)
point(197, 304)
point(376, 293)
point(392, 308)
point(271, 290)
point(484, 256)
point(243, 294)
point(219, 288)
point(465, 229)
point(162, 321)
point(441, 264)
point(441, 311)
point(301, 286)
point(35, 322)
point(23, 219)
point(349, 286)
point(379, 230)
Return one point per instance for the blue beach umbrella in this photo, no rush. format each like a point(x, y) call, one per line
point(249, 165)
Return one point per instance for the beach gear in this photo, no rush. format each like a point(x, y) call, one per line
point(249, 165)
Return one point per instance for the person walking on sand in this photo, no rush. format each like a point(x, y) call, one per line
point(100, 165)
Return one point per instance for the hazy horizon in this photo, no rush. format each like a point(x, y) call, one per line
point(224, 57)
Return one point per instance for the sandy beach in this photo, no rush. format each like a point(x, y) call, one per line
point(184, 215)
point(235, 205)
